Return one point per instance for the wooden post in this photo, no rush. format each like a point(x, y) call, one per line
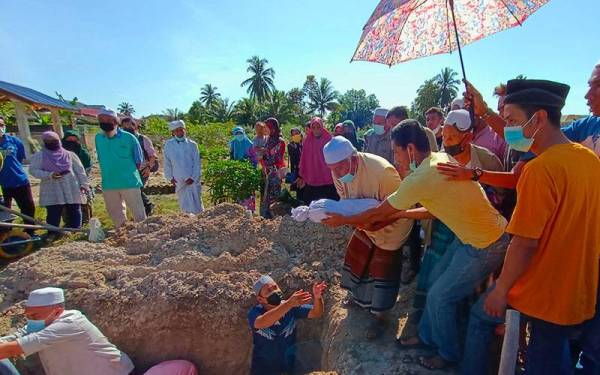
point(510, 346)
point(56, 124)
point(24, 132)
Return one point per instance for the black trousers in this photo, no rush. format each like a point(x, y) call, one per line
point(145, 199)
point(22, 195)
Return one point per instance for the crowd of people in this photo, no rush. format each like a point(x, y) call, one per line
point(496, 209)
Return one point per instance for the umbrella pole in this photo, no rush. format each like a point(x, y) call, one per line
point(462, 64)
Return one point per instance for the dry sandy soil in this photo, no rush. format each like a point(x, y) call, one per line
point(180, 287)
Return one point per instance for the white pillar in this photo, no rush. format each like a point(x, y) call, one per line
point(56, 123)
point(24, 132)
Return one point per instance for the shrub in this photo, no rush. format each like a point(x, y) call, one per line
point(231, 180)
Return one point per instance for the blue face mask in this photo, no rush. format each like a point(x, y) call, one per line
point(378, 129)
point(239, 137)
point(35, 325)
point(515, 138)
point(348, 177)
point(412, 166)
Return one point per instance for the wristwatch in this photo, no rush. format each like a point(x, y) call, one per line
point(477, 173)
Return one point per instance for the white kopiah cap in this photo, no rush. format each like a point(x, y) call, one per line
point(459, 118)
point(459, 102)
point(176, 125)
point(108, 112)
point(264, 280)
point(338, 149)
point(45, 297)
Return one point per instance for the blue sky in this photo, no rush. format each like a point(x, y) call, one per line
point(157, 54)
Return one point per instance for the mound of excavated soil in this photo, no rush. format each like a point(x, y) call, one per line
point(179, 287)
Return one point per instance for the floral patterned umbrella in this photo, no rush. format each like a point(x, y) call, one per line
point(401, 30)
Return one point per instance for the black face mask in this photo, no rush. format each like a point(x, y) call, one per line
point(274, 299)
point(128, 130)
point(107, 126)
point(71, 145)
point(52, 146)
point(454, 149)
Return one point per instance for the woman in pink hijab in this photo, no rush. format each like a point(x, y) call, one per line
point(315, 176)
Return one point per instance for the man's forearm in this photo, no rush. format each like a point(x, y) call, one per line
point(10, 349)
point(495, 122)
point(373, 215)
point(507, 180)
point(318, 309)
point(420, 213)
point(518, 256)
point(272, 316)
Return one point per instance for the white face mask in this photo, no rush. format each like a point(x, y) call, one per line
point(2, 130)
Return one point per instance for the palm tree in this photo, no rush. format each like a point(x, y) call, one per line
point(279, 106)
point(173, 114)
point(322, 97)
point(448, 86)
point(260, 84)
point(222, 110)
point(126, 109)
point(209, 95)
point(247, 111)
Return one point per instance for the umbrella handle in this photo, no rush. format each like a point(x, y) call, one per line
point(462, 64)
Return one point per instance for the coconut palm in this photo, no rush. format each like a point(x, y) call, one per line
point(448, 86)
point(222, 110)
point(126, 109)
point(247, 111)
point(260, 84)
point(209, 95)
point(322, 97)
point(173, 114)
point(279, 106)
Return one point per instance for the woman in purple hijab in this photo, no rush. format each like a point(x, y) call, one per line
point(63, 181)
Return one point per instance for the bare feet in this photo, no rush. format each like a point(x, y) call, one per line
point(433, 363)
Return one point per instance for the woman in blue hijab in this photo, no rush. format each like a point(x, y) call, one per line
point(240, 145)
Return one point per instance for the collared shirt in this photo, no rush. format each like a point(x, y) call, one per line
point(119, 158)
point(274, 349)
point(376, 178)
point(380, 145)
point(461, 205)
point(487, 138)
point(72, 345)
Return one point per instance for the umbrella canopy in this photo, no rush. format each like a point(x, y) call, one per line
point(401, 30)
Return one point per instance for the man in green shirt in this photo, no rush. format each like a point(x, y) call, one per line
point(119, 156)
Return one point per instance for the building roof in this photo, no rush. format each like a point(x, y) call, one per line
point(32, 97)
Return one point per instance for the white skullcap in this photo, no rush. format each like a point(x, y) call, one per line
point(338, 149)
point(459, 102)
point(45, 297)
point(264, 280)
point(176, 125)
point(380, 112)
point(108, 112)
point(460, 118)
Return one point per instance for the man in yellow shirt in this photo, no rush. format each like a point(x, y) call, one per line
point(550, 273)
point(477, 251)
point(373, 261)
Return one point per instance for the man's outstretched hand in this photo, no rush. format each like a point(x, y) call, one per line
point(299, 298)
point(318, 289)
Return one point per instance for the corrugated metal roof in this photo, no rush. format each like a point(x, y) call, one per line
point(31, 96)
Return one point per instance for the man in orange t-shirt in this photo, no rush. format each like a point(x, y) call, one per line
point(550, 272)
